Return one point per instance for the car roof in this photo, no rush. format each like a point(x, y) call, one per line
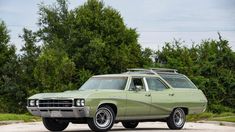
point(125, 75)
point(152, 72)
point(135, 74)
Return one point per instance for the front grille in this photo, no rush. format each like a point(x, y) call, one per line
point(55, 103)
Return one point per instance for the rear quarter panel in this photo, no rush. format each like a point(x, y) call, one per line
point(193, 99)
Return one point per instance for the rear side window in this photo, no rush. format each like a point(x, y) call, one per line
point(155, 84)
point(178, 80)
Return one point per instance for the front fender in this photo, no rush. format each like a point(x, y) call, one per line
point(119, 100)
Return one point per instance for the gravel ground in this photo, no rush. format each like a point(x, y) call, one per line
point(142, 127)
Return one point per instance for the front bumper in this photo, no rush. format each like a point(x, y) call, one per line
point(60, 112)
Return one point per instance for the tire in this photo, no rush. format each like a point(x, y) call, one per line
point(103, 120)
point(54, 125)
point(177, 119)
point(130, 125)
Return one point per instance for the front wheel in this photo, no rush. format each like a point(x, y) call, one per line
point(177, 119)
point(103, 120)
point(130, 125)
point(54, 125)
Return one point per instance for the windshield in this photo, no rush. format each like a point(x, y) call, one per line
point(115, 83)
point(178, 80)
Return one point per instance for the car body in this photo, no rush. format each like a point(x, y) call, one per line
point(135, 96)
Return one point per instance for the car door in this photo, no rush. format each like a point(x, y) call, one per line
point(138, 99)
point(162, 97)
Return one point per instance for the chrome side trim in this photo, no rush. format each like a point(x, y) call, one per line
point(151, 117)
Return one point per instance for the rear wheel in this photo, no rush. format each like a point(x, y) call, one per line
point(130, 125)
point(54, 125)
point(177, 119)
point(103, 120)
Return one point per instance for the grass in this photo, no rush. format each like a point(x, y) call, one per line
point(227, 116)
point(15, 117)
point(228, 119)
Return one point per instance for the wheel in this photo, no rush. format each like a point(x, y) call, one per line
point(177, 119)
point(103, 120)
point(130, 125)
point(54, 125)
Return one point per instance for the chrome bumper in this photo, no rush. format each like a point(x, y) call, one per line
point(60, 112)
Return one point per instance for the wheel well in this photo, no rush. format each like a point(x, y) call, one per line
point(184, 109)
point(113, 106)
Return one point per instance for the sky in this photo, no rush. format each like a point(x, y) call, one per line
point(156, 21)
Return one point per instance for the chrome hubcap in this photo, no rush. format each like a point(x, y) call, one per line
point(178, 118)
point(103, 118)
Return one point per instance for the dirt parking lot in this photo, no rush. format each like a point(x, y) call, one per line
point(142, 127)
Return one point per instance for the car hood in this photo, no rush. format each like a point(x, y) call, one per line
point(62, 95)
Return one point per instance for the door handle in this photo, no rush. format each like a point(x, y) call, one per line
point(148, 95)
point(172, 94)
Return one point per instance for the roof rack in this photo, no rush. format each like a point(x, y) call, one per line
point(151, 70)
point(147, 71)
point(164, 70)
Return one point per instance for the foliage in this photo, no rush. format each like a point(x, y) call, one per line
point(148, 57)
point(54, 70)
point(210, 65)
point(28, 61)
point(94, 36)
point(12, 95)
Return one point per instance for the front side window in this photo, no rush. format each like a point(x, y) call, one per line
point(114, 83)
point(137, 84)
point(155, 84)
point(178, 80)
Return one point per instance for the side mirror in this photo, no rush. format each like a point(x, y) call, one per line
point(138, 88)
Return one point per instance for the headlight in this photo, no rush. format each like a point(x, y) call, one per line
point(37, 102)
point(82, 103)
point(33, 103)
point(79, 102)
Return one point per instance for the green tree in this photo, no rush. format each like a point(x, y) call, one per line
point(94, 36)
point(28, 60)
point(209, 64)
point(148, 56)
point(54, 71)
point(12, 96)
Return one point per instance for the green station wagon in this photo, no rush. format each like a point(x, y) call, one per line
point(138, 95)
